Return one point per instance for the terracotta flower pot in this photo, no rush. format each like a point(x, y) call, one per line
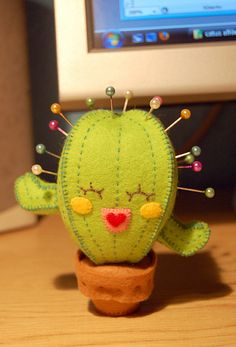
point(116, 289)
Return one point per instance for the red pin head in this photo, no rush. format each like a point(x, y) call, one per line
point(197, 166)
point(53, 125)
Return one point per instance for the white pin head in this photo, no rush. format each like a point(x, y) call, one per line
point(37, 170)
point(154, 104)
point(128, 96)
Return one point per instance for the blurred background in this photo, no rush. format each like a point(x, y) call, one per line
point(30, 82)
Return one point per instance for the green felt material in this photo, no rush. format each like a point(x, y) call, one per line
point(35, 195)
point(116, 153)
point(185, 239)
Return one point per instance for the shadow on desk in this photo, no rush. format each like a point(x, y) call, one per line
point(177, 280)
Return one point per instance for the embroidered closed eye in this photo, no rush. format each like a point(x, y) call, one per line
point(139, 192)
point(92, 189)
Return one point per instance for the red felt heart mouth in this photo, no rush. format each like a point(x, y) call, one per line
point(115, 219)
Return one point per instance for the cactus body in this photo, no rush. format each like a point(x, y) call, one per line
point(116, 154)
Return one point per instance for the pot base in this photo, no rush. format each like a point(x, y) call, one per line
point(115, 308)
point(116, 289)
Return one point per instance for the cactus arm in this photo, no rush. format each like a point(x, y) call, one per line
point(36, 195)
point(185, 239)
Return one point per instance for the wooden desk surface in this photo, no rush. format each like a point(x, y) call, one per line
point(193, 304)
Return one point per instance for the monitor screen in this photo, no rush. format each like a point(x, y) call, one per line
point(133, 23)
point(131, 46)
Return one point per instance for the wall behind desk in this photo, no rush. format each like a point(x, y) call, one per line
point(15, 118)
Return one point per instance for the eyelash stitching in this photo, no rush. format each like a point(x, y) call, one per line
point(91, 189)
point(139, 192)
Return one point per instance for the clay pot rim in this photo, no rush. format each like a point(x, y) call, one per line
point(133, 271)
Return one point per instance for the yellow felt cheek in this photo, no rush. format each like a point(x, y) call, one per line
point(81, 205)
point(151, 210)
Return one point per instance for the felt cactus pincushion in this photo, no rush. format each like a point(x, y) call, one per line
point(116, 188)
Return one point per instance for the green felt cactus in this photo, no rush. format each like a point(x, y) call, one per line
point(116, 189)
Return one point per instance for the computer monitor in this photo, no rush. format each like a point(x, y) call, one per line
point(181, 50)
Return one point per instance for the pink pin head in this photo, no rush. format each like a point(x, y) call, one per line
point(53, 125)
point(196, 166)
point(157, 97)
